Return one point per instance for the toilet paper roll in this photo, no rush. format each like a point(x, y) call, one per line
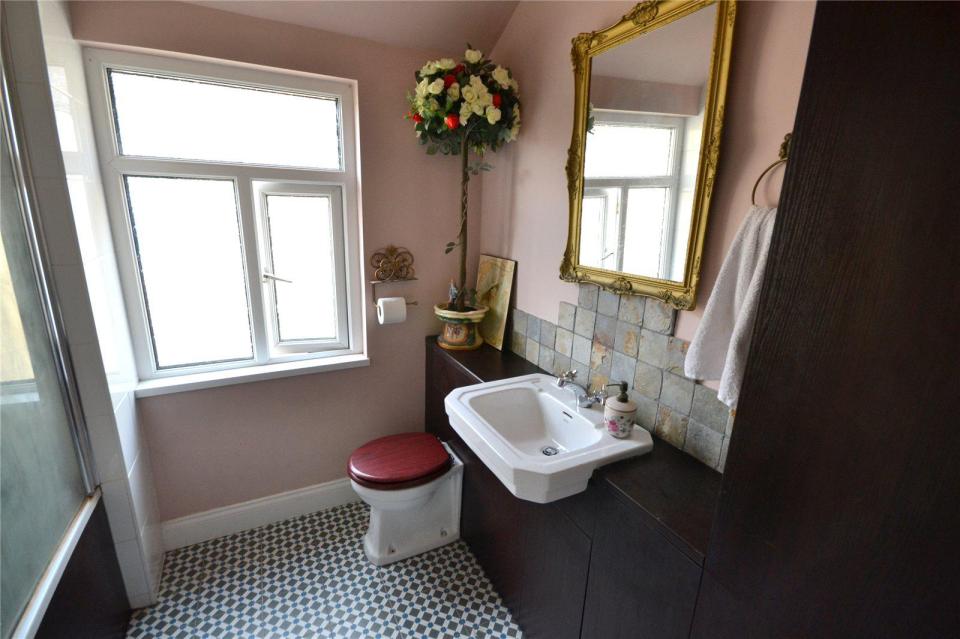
point(391, 310)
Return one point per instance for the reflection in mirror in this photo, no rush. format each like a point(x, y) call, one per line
point(646, 112)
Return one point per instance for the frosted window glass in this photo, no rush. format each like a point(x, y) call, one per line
point(616, 151)
point(646, 213)
point(301, 243)
point(191, 262)
point(165, 117)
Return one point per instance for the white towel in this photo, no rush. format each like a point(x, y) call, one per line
point(719, 347)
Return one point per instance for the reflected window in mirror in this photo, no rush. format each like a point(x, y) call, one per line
point(631, 190)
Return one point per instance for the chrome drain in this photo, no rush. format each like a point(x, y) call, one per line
point(549, 451)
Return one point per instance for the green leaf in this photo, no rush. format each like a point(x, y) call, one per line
point(432, 149)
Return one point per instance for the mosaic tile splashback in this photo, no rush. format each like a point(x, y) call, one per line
point(308, 577)
point(607, 338)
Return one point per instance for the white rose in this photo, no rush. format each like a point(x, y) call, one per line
point(421, 89)
point(514, 86)
point(477, 108)
point(482, 95)
point(465, 113)
point(453, 92)
point(469, 93)
point(473, 56)
point(433, 105)
point(445, 63)
point(493, 114)
point(502, 76)
point(436, 87)
point(428, 69)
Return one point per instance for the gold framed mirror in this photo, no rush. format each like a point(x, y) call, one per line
point(648, 114)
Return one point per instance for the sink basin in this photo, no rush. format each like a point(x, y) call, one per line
point(535, 438)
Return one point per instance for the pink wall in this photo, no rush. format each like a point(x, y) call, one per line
point(216, 447)
point(525, 198)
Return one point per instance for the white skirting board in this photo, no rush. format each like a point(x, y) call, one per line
point(219, 522)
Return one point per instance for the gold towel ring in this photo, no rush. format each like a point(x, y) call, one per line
point(784, 156)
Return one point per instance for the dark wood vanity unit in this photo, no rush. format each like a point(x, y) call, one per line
point(622, 559)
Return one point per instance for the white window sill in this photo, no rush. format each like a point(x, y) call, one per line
point(214, 379)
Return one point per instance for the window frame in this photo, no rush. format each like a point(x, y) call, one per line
point(264, 190)
point(114, 166)
point(671, 182)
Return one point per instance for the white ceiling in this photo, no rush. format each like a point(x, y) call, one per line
point(678, 53)
point(444, 26)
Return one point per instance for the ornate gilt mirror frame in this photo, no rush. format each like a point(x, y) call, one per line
point(645, 17)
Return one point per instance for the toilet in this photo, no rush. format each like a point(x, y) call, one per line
point(412, 483)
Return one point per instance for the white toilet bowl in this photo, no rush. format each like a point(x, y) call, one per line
point(408, 521)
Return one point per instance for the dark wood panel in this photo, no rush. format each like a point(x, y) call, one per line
point(442, 376)
point(839, 512)
point(581, 508)
point(492, 522)
point(556, 561)
point(674, 490)
point(640, 586)
point(90, 601)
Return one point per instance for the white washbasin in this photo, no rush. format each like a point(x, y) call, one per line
point(510, 423)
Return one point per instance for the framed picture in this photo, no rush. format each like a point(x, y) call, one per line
point(494, 284)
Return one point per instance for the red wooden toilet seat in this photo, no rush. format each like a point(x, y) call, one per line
point(399, 461)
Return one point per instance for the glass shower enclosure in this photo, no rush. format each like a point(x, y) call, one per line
point(46, 479)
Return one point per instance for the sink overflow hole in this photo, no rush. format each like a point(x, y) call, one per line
point(549, 451)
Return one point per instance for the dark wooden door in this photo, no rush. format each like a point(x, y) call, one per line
point(640, 586)
point(556, 559)
point(840, 508)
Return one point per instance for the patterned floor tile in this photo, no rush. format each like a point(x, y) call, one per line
point(308, 578)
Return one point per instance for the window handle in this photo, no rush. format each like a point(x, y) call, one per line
point(276, 278)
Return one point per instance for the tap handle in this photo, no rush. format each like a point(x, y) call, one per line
point(568, 376)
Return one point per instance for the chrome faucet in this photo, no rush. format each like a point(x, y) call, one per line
point(580, 392)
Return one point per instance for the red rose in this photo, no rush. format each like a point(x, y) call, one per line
point(416, 117)
point(459, 69)
point(453, 121)
point(448, 80)
point(497, 100)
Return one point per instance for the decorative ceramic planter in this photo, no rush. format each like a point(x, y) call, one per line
point(461, 330)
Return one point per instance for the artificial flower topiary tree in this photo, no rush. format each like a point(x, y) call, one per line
point(461, 106)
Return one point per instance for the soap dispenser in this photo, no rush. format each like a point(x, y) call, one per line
point(619, 412)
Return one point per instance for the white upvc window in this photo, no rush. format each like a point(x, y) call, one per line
point(631, 188)
point(234, 203)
